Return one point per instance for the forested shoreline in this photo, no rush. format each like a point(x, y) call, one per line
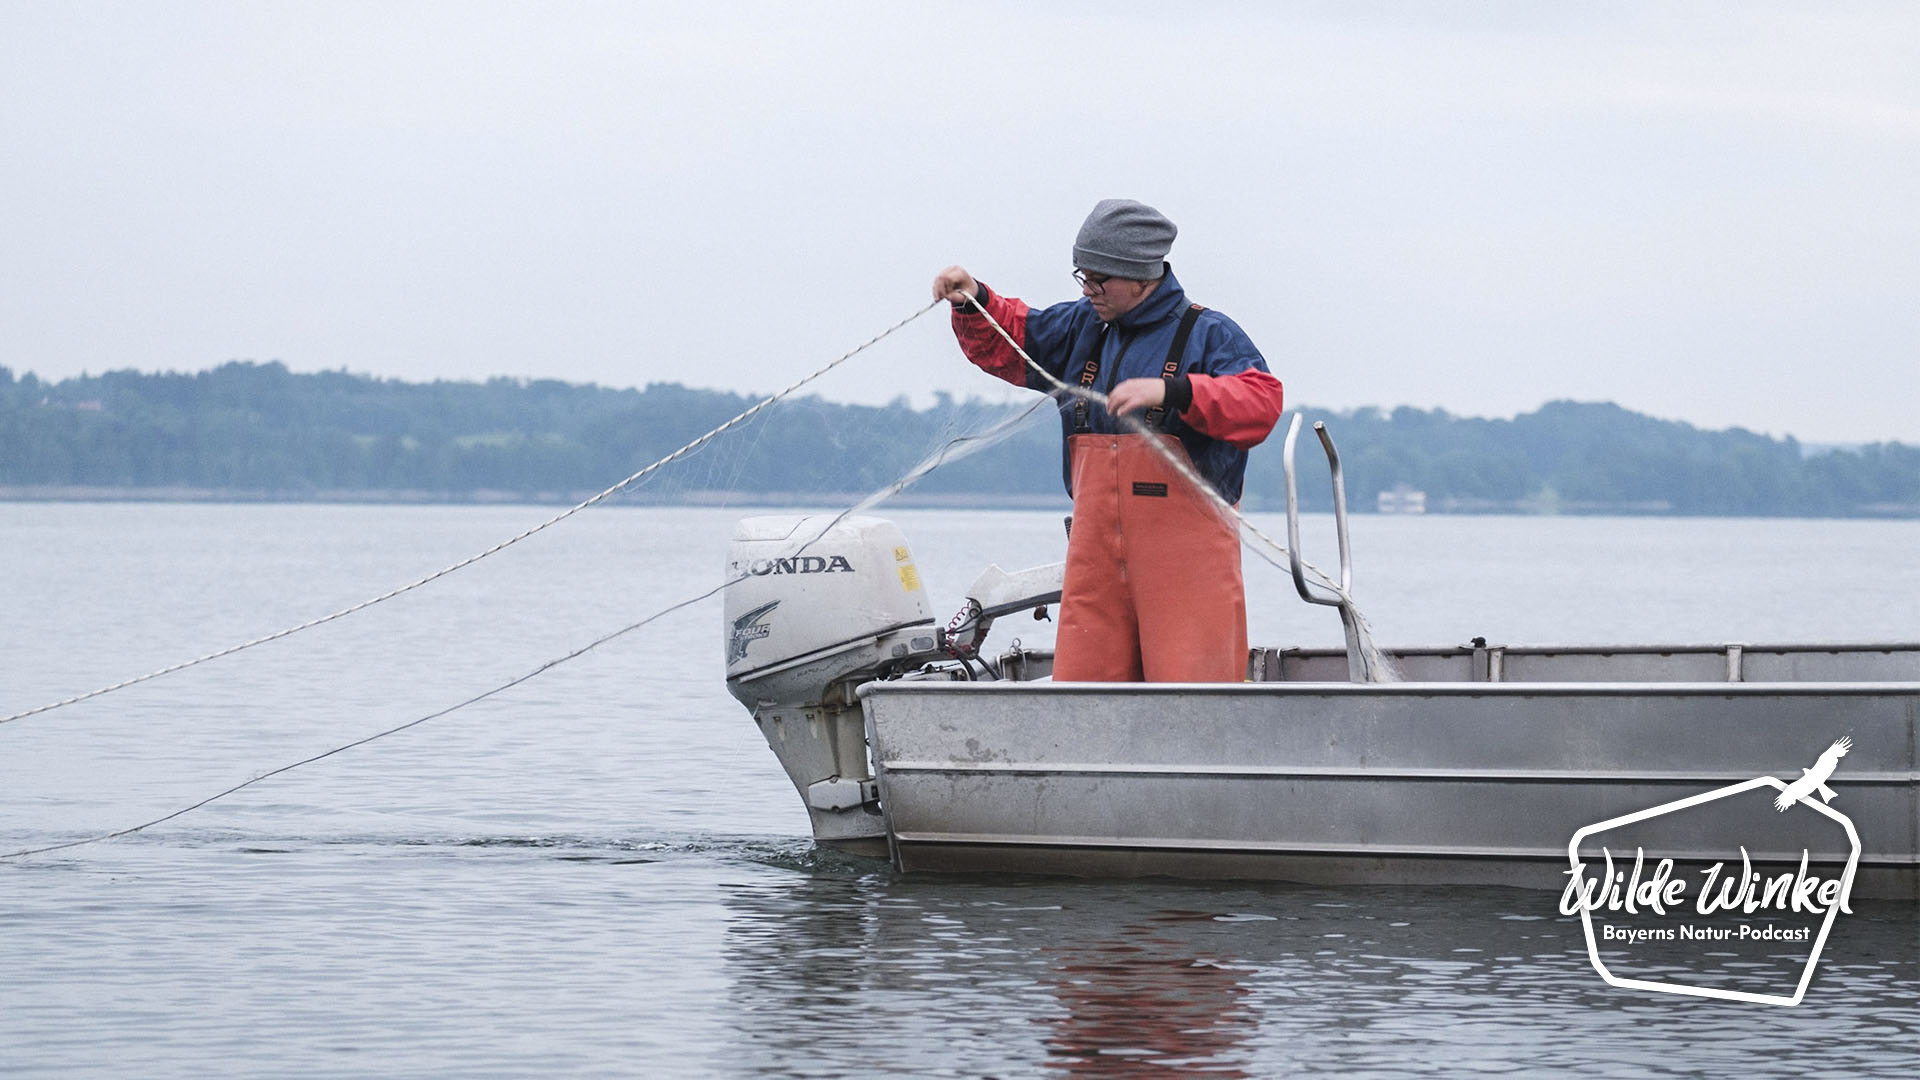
point(249, 430)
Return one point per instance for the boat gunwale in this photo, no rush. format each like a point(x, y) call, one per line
point(1456, 688)
point(1624, 647)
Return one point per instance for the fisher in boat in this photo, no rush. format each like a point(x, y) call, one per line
point(1152, 585)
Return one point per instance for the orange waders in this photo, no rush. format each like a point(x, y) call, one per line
point(1152, 587)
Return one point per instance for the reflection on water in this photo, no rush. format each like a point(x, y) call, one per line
point(975, 976)
point(1146, 997)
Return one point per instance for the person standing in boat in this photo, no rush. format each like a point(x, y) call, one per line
point(1153, 588)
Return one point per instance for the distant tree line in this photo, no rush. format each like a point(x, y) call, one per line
point(260, 431)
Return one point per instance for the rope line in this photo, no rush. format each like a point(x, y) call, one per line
point(474, 700)
point(495, 549)
point(953, 450)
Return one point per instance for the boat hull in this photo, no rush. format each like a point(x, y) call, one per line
point(1428, 783)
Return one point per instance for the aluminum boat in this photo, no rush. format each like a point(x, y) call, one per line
point(1476, 763)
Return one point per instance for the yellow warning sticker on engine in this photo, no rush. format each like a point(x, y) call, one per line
point(909, 578)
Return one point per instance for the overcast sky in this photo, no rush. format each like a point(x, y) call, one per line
point(1705, 212)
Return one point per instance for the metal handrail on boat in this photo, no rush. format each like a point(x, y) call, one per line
point(1357, 667)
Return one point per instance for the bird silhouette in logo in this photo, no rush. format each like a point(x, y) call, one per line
point(1815, 779)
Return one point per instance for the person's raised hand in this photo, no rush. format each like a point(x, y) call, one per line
point(955, 286)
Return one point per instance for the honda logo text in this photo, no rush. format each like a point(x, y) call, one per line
point(804, 564)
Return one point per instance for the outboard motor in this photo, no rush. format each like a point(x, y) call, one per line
point(810, 615)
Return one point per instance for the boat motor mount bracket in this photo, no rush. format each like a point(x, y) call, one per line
point(840, 793)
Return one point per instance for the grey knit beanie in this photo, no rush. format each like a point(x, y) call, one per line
point(1126, 239)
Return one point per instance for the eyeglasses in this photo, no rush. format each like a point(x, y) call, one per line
point(1095, 282)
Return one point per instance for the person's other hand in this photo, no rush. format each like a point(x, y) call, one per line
point(1136, 394)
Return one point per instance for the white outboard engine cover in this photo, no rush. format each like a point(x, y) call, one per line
point(810, 613)
point(810, 608)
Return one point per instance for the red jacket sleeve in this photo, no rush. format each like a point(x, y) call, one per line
point(1238, 409)
point(984, 345)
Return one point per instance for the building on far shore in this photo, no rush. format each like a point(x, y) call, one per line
point(1401, 499)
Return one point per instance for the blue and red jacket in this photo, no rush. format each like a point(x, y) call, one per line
point(1221, 402)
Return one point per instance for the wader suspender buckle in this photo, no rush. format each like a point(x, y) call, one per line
point(1172, 366)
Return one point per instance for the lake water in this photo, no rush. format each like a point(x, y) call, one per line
point(604, 872)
